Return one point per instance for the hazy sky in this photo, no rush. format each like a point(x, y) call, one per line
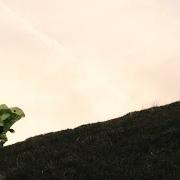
point(67, 63)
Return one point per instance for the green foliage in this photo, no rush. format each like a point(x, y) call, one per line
point(8, 116)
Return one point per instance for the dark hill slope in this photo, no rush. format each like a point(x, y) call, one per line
point(140, 145)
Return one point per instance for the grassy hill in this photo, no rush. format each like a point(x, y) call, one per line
point(142, 145)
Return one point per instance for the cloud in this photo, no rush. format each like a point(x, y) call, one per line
point(125, 56)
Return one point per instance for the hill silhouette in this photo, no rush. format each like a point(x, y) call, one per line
point(142, 145)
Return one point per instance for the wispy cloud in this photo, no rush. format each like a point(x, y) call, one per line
point(50, 42)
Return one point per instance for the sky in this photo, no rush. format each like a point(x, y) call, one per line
point(68, 63)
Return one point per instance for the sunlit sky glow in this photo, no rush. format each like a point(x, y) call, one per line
point(67, 63)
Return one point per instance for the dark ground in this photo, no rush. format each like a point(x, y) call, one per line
point(142, 145)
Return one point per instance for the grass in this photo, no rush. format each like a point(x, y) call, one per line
point(142, 145)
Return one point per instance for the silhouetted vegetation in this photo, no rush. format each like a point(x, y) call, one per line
point(142, 145)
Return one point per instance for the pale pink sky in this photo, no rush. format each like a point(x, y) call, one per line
point(67, 63)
